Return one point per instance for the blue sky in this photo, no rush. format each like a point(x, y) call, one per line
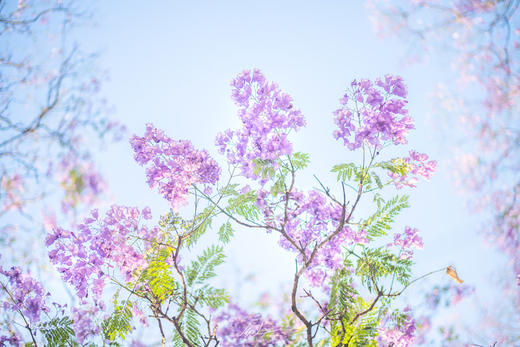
point(170, 63)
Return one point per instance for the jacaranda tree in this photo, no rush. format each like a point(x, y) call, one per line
point(128, 272)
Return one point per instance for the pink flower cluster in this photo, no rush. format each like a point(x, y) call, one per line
point(310, 219)
point(374, 112)
point(417, 165)
point(267, 116)
point(84, 257)
point(23, 293)
point(407, 241)
point(237, 327)
point(174, 165)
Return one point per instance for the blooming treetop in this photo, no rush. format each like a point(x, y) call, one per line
point(343, 285)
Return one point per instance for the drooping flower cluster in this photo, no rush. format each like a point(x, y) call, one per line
point(397, 335)
point(416, 165)
point(83, 257)
point(310, 220)
point(174, 165)
point(22, 293)
point(80, 182)
point(374, 112)
point(237, 327)
point(267, 115)
point(407, 242)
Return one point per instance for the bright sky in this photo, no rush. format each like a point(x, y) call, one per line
point(170, 63)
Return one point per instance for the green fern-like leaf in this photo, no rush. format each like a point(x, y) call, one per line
point(345, 171)
point(158, 275)
point(244, 205)
point(300, 160)
point(203, 267)
point(199, 225)
point(225, 233)
point(118, 324)
point(397, 166)
point(379, 263)
point(212, 297)
point(264, 168)
point(380, 222)
point(58, 332)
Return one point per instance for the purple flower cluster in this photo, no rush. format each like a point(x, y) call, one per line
point(417, 165)
point(310, 219)
point(374, 112)
point(13, 340)
point(23, 293)
point(397, 336)
point(84, 321)
point(237, 327)
point(80, 181)
point(407, 241)
point(174, 165)
point(267, 116)
point(81, 256)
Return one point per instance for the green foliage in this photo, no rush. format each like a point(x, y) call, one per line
point(244, 205)
point(380, 222)
point(279, 186)
point(300, 160)
point(199, 225)
point(264, 168)
point(212, 297)
point(229, 190)
point(226, 232)
point(203, 267)
point(345, 171)
point(158, 275)
point(190, 328)
point(379, 263)
point(363, 330)
point(353, 323)
point(397, 166)
point(118, 324)
point(58, 332)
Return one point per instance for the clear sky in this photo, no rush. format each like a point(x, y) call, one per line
point(170, 63)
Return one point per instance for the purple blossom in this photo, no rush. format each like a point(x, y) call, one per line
point(13, 340)
point(309, 221)
point(85, 324)
point(267, 116)
point(373, 112)
point(237, 327)
point(173, 165)
point(84, 256)
point(25, 294)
